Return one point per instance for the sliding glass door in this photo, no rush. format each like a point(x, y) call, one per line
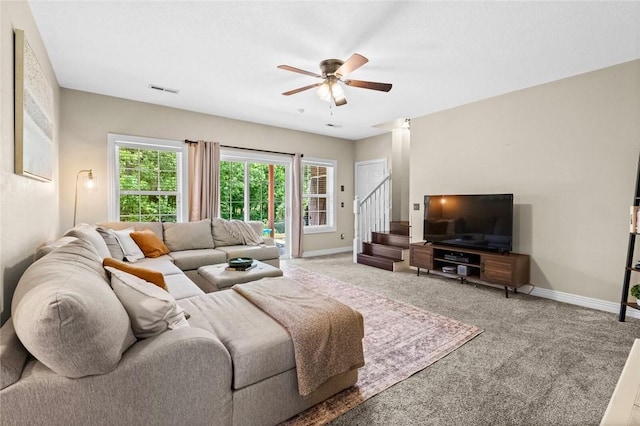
point(254, 187)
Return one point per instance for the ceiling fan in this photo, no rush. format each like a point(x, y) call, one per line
point(333, 70)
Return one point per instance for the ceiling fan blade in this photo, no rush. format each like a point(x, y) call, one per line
point(299, 71)
point(383, 87)
point(352, 64)
point(301, 89)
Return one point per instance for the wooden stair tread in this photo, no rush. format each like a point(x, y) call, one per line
point(377, 261)
point(387, 238)
point(390, 245)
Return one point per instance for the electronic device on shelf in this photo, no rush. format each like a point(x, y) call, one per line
point(449, 269)
point(457, 257)
point(481, 222)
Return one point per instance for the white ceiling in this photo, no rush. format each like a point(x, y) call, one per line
point(222, 56)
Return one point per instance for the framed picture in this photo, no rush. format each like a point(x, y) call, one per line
point(33, 114)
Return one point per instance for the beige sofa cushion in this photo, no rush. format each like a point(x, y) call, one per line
point(193, 259)
point(260, 347)
point(261, 252)
point(188, 235)
point(47, 248)
point(181, 287)
point(90, 234)
point(12, 355)
point(163, 264)
point(66, 315)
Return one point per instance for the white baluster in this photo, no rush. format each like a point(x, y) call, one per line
point(356, 228)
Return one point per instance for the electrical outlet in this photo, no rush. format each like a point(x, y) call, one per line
point(342, 204)
point(342, 236)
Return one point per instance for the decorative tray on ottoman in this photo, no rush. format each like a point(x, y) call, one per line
point(240, 263)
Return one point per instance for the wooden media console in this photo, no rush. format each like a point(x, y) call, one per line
point(510, 270)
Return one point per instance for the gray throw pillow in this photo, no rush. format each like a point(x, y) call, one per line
point(66, 315)
point(112, 242)
point(188, 235)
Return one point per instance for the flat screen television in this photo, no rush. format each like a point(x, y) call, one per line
point(482, 222)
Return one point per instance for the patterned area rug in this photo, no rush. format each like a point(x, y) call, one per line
point(399, 341)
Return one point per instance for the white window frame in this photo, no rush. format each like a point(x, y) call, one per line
point(332, 168)
point(115, 141)
point(230, 154)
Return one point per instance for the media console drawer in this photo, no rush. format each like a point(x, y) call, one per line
point(421, 256)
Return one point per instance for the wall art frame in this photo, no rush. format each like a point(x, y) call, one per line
point(33, 112)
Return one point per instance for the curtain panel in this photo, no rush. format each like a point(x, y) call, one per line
point(297, 226)
point(204, 180)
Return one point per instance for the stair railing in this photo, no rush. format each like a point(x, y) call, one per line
point(371, 214)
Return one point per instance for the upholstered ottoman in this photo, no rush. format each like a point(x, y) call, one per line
point(220, 277)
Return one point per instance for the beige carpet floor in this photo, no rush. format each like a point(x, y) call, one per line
point(537, 362)
point(400, 340)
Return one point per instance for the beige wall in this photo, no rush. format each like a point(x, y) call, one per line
point(568, 150)
point(374, 148)
point(28, 208)
point(87, 118)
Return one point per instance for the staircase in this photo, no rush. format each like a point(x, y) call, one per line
point(387, 250)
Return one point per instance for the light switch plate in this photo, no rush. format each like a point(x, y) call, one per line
point(416, 206)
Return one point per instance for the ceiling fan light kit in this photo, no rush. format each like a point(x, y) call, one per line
point(332, 90)
point(332, 72)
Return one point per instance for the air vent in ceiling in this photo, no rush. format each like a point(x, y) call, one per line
point(163, 89)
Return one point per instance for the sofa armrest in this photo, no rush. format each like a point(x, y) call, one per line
point(181, 376)
point(269, 241)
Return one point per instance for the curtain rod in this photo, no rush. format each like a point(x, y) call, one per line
point(249, 149)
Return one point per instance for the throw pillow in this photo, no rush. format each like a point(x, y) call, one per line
point(146, 274)
point(129, 247)
point(151, 310)
point(66, 315)
point(149, 243)
point(188, 235)
point(112, 242)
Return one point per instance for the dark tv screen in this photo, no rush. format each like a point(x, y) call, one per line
point(483, 222)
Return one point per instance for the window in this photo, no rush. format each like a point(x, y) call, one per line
point(318, 195)
point(148, 179)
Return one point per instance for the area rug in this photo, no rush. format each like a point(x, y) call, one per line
point(399, 341)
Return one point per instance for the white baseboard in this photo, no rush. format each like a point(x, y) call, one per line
point(327, 251)
point(559, 296)
point(587, 302)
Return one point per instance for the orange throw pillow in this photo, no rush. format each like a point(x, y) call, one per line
point(150, 275)
point(149, 243)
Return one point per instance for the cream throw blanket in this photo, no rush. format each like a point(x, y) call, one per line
point(243, 232)
point(327, 335)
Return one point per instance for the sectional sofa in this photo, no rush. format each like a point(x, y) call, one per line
point(69, 355)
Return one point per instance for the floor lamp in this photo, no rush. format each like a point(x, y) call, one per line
point(90, 184)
